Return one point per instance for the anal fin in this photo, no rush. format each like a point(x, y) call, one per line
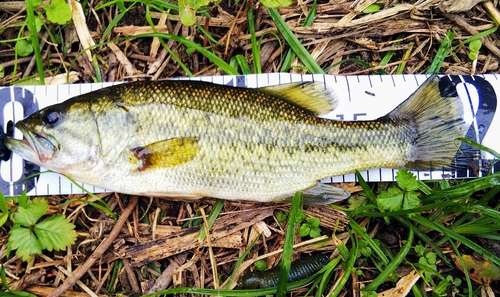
point(166, 153)
point(324, 194)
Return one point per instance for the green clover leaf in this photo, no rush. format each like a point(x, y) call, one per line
point(58, 11)
point(24, 48)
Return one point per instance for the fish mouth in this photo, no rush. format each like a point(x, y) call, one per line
point(37, 147)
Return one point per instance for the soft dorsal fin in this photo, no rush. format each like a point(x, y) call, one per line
point(313, 96)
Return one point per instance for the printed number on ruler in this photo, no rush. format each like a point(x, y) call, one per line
point(15, 104)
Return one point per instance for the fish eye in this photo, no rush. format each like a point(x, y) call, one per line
point(51, 117)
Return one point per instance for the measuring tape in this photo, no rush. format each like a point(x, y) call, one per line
point(361, 98)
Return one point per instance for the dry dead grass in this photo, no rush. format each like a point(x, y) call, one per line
point(340, 32)
point(155, 256)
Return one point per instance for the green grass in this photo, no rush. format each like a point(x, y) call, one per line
point(446, 48)
point(295, 43)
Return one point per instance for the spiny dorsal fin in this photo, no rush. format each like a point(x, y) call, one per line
point(313, 96)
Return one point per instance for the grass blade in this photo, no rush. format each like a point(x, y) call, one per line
point(294, 43)
point(104, 207)
point(347, 266)
point(30, 13)
point(406, 56)
point(366, 189)
point(290, 55)
point(464, 267)
point(116, 20)
point(476, 37)
point(188, 43)
point(326, 276)
point(242, 63)
point(359, 231)
point(286, 259)
point(442, 53)
point(212, 216)
point(255, 48)
point(464, 189)
point(240, 260)
point(428, 241)
point(392, 265)
point(480, 147)
point(455, 236)
point(164, 44)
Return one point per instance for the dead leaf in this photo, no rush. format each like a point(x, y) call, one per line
point(480, 270)
point(403, 286)
point(460, 5)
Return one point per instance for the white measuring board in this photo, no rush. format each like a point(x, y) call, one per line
point(361, 98)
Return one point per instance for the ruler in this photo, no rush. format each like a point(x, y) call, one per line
point(361, 98)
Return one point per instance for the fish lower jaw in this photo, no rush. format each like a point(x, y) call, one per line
point(24, 149)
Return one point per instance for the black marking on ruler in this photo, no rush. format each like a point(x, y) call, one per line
point(416, 80)
point(349, 88)
point(238, 81)
point(26, 99)
point(4, 150)
point(241, 81)
point(483, 117)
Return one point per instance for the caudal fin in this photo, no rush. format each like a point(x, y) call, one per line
point(438, 121)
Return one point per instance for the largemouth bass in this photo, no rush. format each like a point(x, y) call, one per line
point(190, 139)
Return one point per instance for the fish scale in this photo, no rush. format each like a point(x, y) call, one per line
point(192, 139)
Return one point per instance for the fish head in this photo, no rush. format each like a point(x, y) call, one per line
point(62, 137)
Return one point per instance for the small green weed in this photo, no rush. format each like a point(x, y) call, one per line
point(57, 11)
point(308, 226)
point(260, 265)
point(474, 47)
point(29, 236)
point(8, 292)
point(372, 8)
point(404, 196)
point(446, 49)
point(439, 214)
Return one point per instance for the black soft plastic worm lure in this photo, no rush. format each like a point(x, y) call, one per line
point(299, 270)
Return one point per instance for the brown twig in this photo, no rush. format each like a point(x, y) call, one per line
point(131, 276)
point(99, 251)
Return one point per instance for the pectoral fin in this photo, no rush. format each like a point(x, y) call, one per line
point(166, 153)
point(324, 194)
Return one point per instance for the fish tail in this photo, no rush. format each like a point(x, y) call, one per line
point(437, 120)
